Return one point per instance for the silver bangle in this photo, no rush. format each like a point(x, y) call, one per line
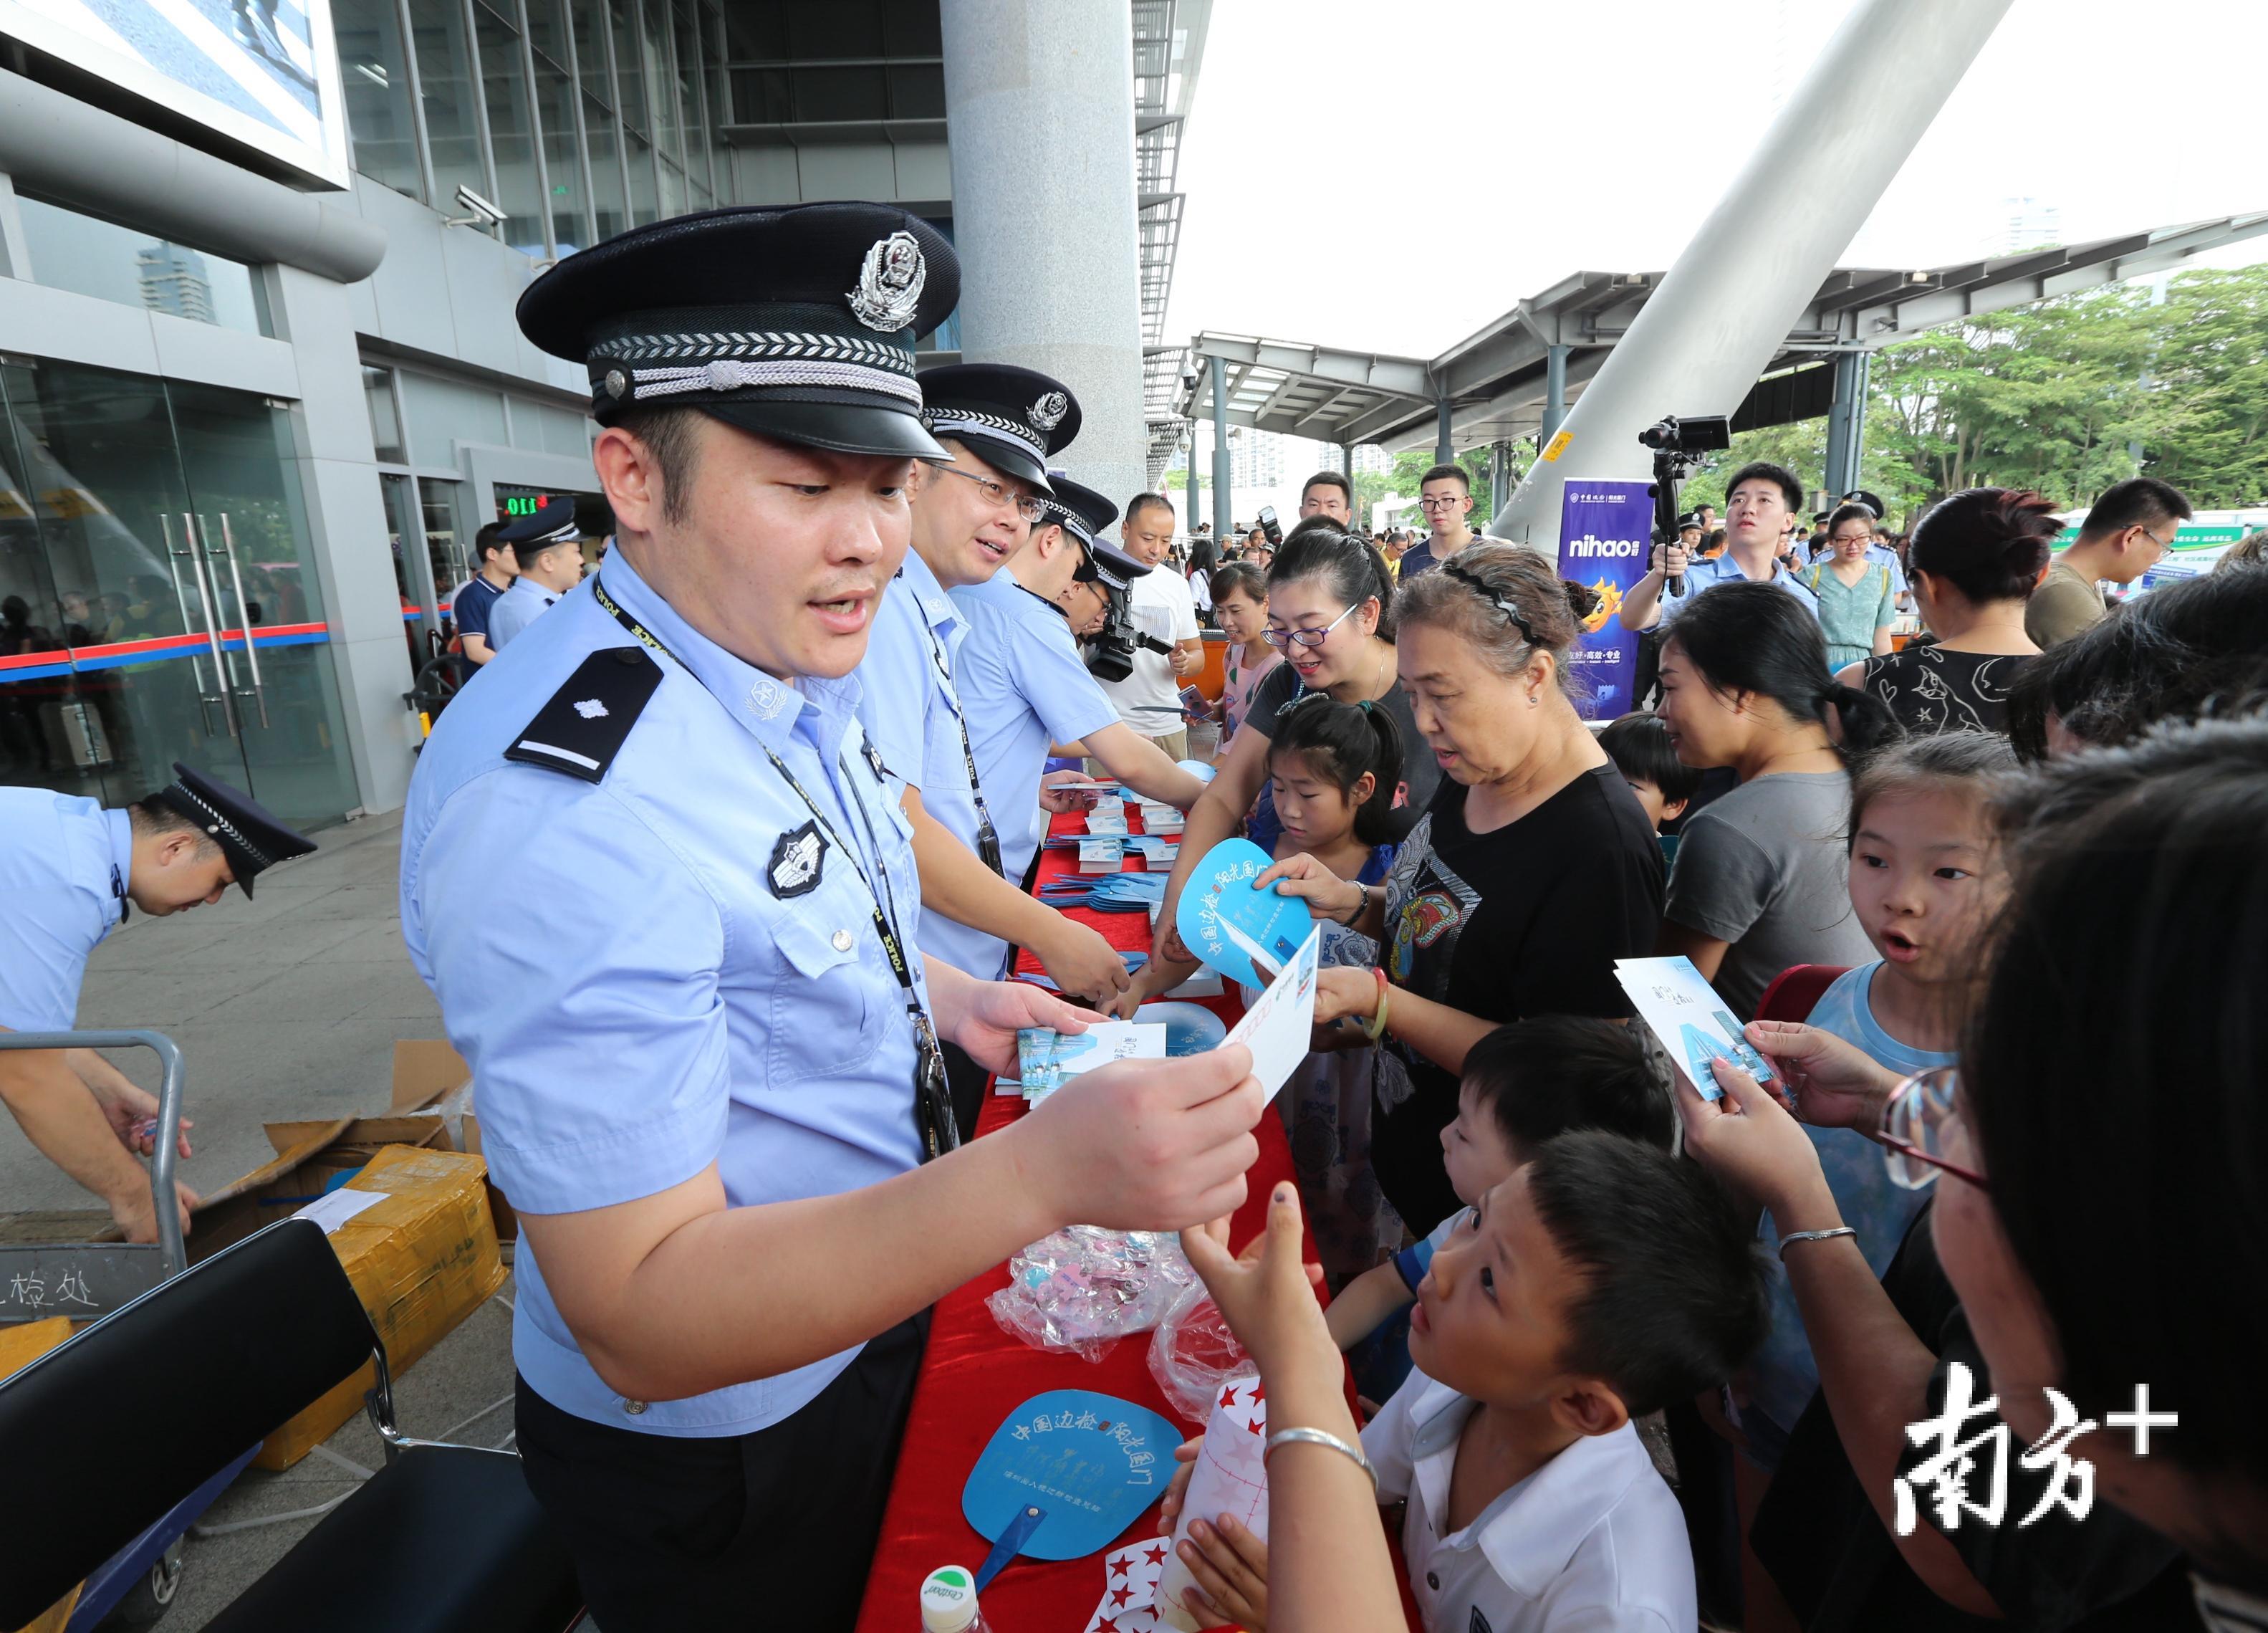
point(1812, 1236)
point(1317, 1437)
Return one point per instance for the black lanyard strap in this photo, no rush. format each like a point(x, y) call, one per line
point(931, 1093)
point(988, 837)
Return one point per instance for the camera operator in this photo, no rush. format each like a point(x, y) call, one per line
point(1160, 603)
point(1759, 502)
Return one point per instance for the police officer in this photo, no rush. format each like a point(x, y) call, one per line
point(549, 551)
point(69, 872)
point(969, 517)
point(1024, 685)
point(706, 1038)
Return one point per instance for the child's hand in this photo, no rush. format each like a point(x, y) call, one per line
point(1268, 1294)
point(1231, 1566)
point(1170, 1506)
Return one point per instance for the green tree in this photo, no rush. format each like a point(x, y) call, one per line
point(2205, 417)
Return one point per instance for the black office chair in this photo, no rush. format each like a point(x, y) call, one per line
point(101, 1436)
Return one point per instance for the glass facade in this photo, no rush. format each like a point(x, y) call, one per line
point(578, 118)
point(90, 256)
point(156, 600)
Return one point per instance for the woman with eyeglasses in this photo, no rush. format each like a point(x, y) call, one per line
point(1533, 870)
point(1329, 613)
point(2099, 1174)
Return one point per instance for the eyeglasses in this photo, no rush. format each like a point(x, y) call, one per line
point(1024, 505)
point(1917, 1126)
point(1441, 503)
point(2165, 546)
point(1306, 638)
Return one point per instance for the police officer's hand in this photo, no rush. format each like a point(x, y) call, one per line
point(132, 1112)
point(1081, 963)
point(132, 1212)
point(1147, 1145)
point(1671, 557)
point(1055, 798)
point(994, 1011)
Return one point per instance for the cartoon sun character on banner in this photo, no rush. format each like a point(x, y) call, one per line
point(1610, 601)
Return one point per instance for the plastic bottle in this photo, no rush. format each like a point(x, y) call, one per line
point(948, 1602)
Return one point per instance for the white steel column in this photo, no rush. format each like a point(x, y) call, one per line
point(1042, 131)
point(1724, 309)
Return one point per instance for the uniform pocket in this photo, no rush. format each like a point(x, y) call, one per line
point(826, 1011)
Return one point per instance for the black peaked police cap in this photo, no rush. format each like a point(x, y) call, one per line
point(1011, 419)
point(797, 324)
point(1084, 514)
point(252, 838)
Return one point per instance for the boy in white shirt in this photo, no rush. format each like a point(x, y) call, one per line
point(1601, 1281)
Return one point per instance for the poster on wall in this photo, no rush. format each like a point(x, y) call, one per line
point(1605, 529)
point(263, 73)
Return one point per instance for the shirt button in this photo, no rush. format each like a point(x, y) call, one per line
point(842, 941)
point(634, 1407)
point(1433, 1580)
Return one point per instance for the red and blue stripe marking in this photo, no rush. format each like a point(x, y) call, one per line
point(153, 649)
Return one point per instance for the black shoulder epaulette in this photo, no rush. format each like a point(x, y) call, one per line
point(589, 719)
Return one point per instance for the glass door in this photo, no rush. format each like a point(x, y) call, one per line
point(92, 455)
point(181, 619)
point(251, 542)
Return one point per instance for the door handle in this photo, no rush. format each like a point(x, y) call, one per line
point(206, 696)
point(243, 614)
point(222, 669)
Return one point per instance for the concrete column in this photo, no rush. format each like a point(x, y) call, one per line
point(1555, 388)
point(1190, 504)
point(1445, 450)
point(1725, 306)
point(1221, 518)
point(1043, 211)
point(1499, 477)
point(346, 518)
point(1847, 422)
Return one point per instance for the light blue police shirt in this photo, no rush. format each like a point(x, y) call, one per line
point(519, 606)
point(1884, 556)
point(634, 1000)
point(1712, 571)
point(63, 865)
point(911, 710)
point(1024, 686)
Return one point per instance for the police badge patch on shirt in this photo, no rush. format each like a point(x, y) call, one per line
point(796, 861)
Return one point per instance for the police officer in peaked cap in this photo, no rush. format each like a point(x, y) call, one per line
point(704, 1033)
point(547, 547)
point(1026, 687)
point(970, 516)
point(70, 872)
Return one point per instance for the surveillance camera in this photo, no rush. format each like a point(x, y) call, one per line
point(483, 213)
point(1190, 379)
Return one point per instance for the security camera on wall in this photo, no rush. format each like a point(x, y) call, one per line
point(483, 214)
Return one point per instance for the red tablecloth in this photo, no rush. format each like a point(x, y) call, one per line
point(974, 1374)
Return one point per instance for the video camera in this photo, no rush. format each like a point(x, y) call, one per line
point(1109, 652)
point(1678, 446)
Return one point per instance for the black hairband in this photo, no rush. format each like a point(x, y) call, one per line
point(1502, 604)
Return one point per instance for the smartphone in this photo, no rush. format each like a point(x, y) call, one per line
point(1269, 526)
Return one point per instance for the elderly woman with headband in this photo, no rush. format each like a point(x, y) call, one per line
point(1533, 870)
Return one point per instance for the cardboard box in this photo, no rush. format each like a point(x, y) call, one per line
point(431, 1078)
point(422, 1259)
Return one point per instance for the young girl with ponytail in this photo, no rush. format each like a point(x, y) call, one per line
point(1759, 878)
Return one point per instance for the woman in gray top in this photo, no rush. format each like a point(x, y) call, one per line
point(1760, 879)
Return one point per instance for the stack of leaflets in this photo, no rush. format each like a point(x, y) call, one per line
point(1161, 818)
point(1155, 851)
point(1107, 818)
point(1047, 1059)
point(1689, 1020)
point(1101, 855)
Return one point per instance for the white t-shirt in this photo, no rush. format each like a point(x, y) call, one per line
point(1593, 1540)
point(1149, 699)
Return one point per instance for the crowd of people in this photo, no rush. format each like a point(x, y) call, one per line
point(1636, 1350)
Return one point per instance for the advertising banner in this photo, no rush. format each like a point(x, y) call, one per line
point(1605, 533)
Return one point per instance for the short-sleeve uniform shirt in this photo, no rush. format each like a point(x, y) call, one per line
point(1023, 686)
point(1711, 571)
point(1592, 1539)
point(910, 706)
point(63, 865)
point(516, 608)
point(638, 995)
